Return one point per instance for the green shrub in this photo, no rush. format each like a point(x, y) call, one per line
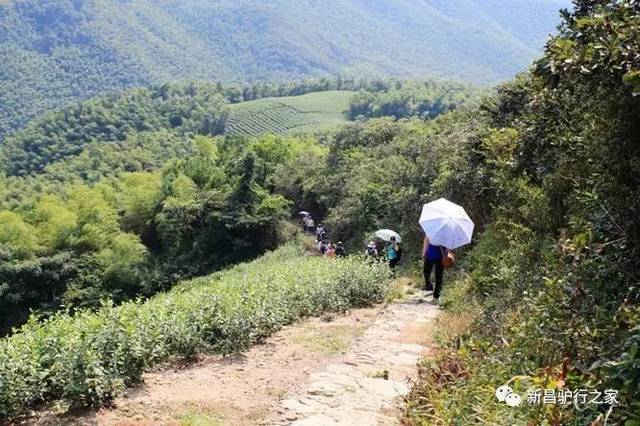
point(87, 358)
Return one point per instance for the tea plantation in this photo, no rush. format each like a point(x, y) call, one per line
point(87, 358)
point(313, 112)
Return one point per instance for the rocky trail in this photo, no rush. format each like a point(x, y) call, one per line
point(365, 385)
point(336, 370)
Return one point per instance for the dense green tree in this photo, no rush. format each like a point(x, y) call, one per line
point(414, 99)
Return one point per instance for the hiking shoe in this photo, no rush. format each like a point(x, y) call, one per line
point(436, 301)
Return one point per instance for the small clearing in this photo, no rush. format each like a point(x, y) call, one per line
point(313, 112)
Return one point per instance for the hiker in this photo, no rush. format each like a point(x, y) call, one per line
point(393, 253)
point(322, 247)
point(310, 224)
point(331, 250)
point(371, 252)
point(305, 223)
point(432, 255)
point(319, 233)
point(340, 252)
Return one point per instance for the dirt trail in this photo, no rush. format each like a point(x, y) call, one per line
point(347, 369)
point(364, 386)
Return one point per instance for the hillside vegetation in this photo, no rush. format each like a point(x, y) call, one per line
point(58, 51)
point(547, 167)
point(88, 358)
point(313, 112)
point(55, 136)
point(122, 195)
point(88, 134)
point(135, 233)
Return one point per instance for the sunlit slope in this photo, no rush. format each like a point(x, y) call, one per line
point(295, 114)
point(58, 51)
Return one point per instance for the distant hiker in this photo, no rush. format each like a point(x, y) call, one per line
point(331, 250)
point(432, 255)
point(340, 252)
point(371, 252)
point(310, 224)
point(320, 233)
point(305, 223)
point(322, 247)
point(393, 253)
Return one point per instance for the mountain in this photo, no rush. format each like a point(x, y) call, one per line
point(56, 51)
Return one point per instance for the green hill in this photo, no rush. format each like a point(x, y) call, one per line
point(306, 113)
point(58, 51)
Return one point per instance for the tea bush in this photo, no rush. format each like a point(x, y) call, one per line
point(87, 358)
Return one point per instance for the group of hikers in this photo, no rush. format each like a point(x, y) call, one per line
point(324, 244)
point(446, 226)
point(389, 251)
point(434, 257)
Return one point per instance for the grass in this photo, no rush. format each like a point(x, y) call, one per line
point(456, 385)
point(310, 113)
point(379, 374)
point(329, 338)
point(199, 419)
point(401, 288)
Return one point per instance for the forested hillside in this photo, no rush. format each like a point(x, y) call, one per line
point(57, 51)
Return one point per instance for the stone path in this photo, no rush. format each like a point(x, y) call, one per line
point(366, 385)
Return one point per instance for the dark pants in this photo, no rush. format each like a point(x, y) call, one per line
point(428, 266)
point(392, 264)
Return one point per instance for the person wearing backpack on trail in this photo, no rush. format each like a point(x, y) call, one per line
point(340, 252)
point(393, 254)
point(331, 250)
point(322, 247)
point(310, 225)
point(319, 233)
point(371, 252)
point(432, 256)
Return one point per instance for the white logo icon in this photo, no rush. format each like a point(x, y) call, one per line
point(505, 394)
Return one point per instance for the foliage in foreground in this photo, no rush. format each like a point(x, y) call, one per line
point(87, 358)
point(552, 300)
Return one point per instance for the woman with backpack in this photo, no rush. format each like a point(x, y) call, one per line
point(322, 247)
point(393, 254)
point(433, 255)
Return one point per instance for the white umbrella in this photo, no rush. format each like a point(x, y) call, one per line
point(386, 234)
point(446, 224)
point(304, 213)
